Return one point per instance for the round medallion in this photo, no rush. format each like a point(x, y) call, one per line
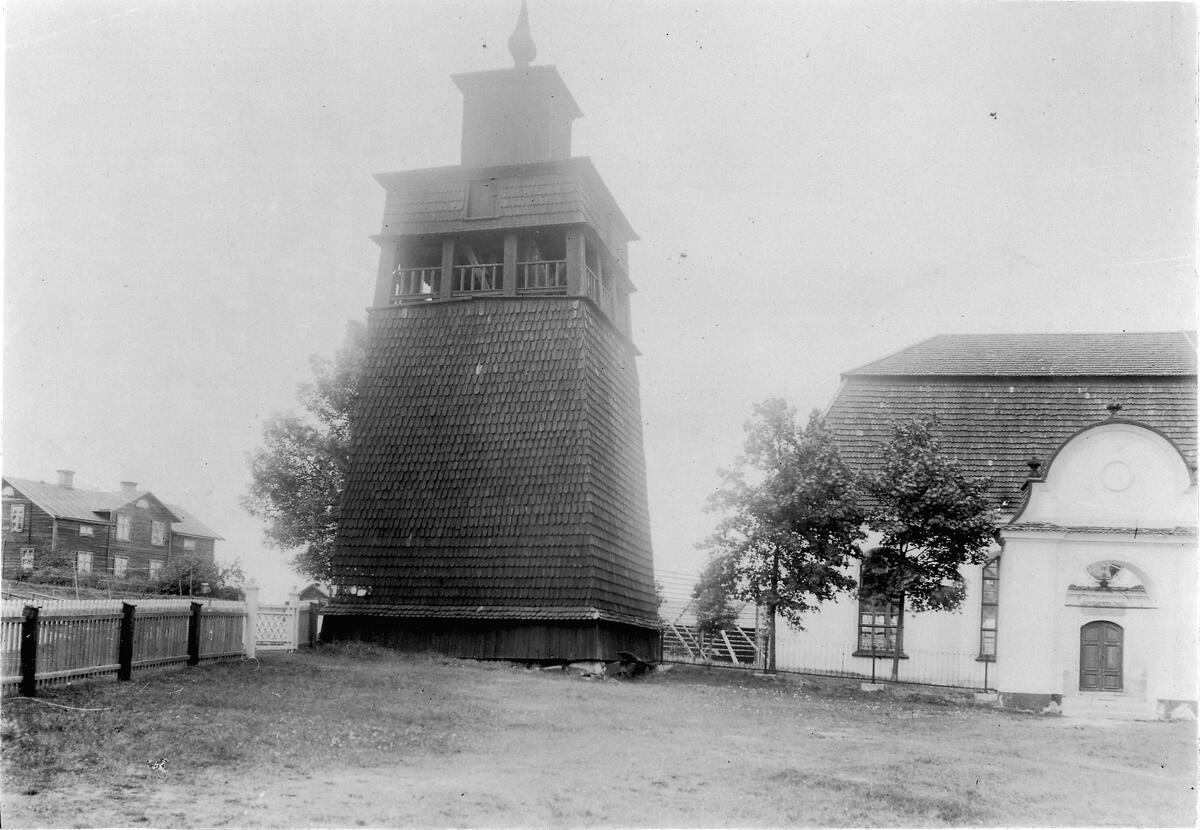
point(1117, 476)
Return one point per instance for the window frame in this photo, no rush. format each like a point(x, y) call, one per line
point(189, 544)
point(83, 561)
point(153, 566)
point(985, 604)
point(16, 517)
point(158, 533)
point(869, 612)
point(120, 566)
point(28, 555)
point(86, 530)
point(124, 527)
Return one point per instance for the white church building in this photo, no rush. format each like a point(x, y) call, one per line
point(1089, 598)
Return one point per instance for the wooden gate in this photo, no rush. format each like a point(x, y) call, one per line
point(286, 627)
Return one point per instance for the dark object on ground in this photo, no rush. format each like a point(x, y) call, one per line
point(631, 665)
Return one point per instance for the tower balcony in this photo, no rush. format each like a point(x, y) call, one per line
point(530, 278)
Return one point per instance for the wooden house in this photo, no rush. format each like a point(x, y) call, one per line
point(495, 504)
point(190, 536)
point(129, 533)
point(1089, 443)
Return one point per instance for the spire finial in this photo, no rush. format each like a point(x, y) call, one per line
point(520, 42)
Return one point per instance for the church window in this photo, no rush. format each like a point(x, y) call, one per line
point(880, 617)
point(878, 627)
point(989, 603)
point(17, 518)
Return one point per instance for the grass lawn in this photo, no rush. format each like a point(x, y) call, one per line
point(360, 737)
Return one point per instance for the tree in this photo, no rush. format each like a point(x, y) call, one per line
point(713, 598)
point(931, 519)
point(792, 521)
point(195, 576)
point(299, 474)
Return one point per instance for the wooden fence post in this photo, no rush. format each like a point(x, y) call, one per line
point(29, 648)
point(125, 646)
point(313, 607)
point(294, 623)
point(194, 634)
point(250, 630)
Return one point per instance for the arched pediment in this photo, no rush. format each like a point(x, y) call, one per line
point(1115, 474)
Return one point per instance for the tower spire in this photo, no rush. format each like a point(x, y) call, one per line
point(520, 42)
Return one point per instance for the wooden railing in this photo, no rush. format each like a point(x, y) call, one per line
point(533, 277)
point(542, 276)
point(64, 640)
point(411, 283)
point(485, 278)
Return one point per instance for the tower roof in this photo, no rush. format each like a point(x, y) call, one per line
point(520, 42)
point(518, 115)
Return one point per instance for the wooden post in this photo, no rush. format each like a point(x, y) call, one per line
point(576, 262)
point(385, 281)
point(293, 604)
point(125, 647)
point(510, 265)
point(313, 607)
point(250, 629)
point(447, 268)
point(194, 634)
point(29, 648)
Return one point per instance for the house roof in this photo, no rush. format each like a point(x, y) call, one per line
point(1043, 355)
point(66, 502)
point(993, 416)
point(88, 505)
point(189, 525)
point(498, 462)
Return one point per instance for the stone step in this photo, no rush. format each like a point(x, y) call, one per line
point(1108, 706)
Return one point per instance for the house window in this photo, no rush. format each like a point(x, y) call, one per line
point(83, 561)
point(87, 530)
point(189, 544)
point(988, 604)
point(17, 517)
point(878, 623)
point(155, 567)
point(123, 526)
point(158, 533)
point(120, 565)
point(27, 559)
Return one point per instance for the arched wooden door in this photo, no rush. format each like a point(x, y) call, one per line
point(1101, 646)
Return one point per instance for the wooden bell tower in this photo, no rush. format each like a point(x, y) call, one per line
point(496, 499)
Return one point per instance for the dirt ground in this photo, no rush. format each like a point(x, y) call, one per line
point(501, 746)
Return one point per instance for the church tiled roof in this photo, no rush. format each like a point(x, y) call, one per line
point(997, 409)
point(1148, 354)
point(489, 468)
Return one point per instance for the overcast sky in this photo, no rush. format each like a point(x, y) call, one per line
point(189, 198)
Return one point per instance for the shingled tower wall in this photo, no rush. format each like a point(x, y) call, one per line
point(495, 504)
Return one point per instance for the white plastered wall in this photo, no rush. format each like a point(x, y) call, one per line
point(1115, 493)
